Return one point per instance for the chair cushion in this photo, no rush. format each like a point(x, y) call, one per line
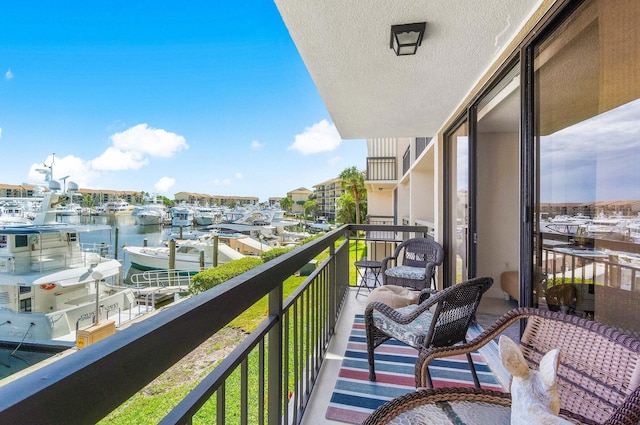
point(393, 296)
point(407, 272)
point(412, 334)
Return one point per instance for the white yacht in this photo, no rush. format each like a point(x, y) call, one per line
point(187, 256)
point(181, 215)
point(117, 207)
point(50, 286)
point(206, 216)
point(150, 214)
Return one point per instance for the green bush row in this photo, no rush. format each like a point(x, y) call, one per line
point(215, 276)
point(207, 279)
point(273, 253)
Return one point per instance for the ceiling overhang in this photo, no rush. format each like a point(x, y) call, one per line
point(368, 90)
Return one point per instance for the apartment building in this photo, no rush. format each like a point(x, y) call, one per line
point(299, 196)
point(205, 199)
point(327, 194)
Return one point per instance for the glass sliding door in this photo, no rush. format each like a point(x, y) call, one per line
point(497, 188)
point(586, 81)
point(457, 238)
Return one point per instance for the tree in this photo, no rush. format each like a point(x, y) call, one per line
point(346, 209)
point(352, 181)
point(87, 200)
point(310, 207)
point(286, 203)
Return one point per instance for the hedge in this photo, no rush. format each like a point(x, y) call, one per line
point(215, 276)
point(273, 253)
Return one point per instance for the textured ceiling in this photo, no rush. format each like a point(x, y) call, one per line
point(368, 90)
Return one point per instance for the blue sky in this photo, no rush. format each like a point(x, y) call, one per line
point(205, 96)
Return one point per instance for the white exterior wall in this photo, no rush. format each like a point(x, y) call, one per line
point(382, 147)
point(498, 206)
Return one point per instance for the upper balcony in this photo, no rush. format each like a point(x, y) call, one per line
point(382, 169)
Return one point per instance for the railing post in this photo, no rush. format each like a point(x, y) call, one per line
point(274, 361)
point(333, 288)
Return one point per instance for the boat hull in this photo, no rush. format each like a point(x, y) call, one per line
point(157, 258)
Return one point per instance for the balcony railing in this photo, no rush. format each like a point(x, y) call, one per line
point(288, 346)
point(381, 168)
point(421, 144)
point(601, 283)
point(406, 161)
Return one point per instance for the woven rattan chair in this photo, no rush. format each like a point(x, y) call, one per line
point(439, 321)
point(412, 264)
point(598, 377)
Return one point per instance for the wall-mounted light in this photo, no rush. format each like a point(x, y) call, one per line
point(406, 38)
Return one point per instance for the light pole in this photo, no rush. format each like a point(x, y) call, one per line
point(97, 276)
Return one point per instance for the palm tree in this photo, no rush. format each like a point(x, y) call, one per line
point(353, 181)
point(345, 210)
point(286, 203)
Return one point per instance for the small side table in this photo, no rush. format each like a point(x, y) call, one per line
point(366, 268)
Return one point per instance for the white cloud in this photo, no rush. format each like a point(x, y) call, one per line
point(8, 75)
point(0, 132)
point(320, 137)
point(239, 176)
point(80, 171)
point(151, 141)
point(132, 147)
point(255, 145)
point(115, 159)
point(164, 184)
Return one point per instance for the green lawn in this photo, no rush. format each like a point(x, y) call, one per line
point(151, 404)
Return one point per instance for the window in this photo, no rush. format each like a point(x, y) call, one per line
point(21, 240)
point(587, 103)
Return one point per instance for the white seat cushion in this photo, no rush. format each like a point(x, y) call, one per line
point(407, 272)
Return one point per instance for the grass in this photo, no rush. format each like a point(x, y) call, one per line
point(153, 402)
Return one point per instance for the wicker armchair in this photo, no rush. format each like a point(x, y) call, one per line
point(598, 377)
point(412, 264)
point(421, 326)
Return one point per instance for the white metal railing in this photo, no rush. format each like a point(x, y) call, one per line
point(162, 279)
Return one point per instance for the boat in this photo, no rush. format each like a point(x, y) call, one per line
point(70, 209)
point(320, 225)
point(13, 213)
point(50, 285)
point(150, 214)
point(205, 216)
point(181, 215)
point(187, 256)
point(117, 207)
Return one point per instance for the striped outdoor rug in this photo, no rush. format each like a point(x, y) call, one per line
point(355, 397)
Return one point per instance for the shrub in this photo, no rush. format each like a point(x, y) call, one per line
point(274, 253)
point(215, 276)
point(566, 280)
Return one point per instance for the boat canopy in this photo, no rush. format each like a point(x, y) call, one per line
point(80, 275)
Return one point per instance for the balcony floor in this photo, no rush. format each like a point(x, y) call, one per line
point(323, 390)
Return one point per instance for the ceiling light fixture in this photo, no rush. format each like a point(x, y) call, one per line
point(406, 38)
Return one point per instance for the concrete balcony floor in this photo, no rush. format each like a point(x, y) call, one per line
point(317, 407)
